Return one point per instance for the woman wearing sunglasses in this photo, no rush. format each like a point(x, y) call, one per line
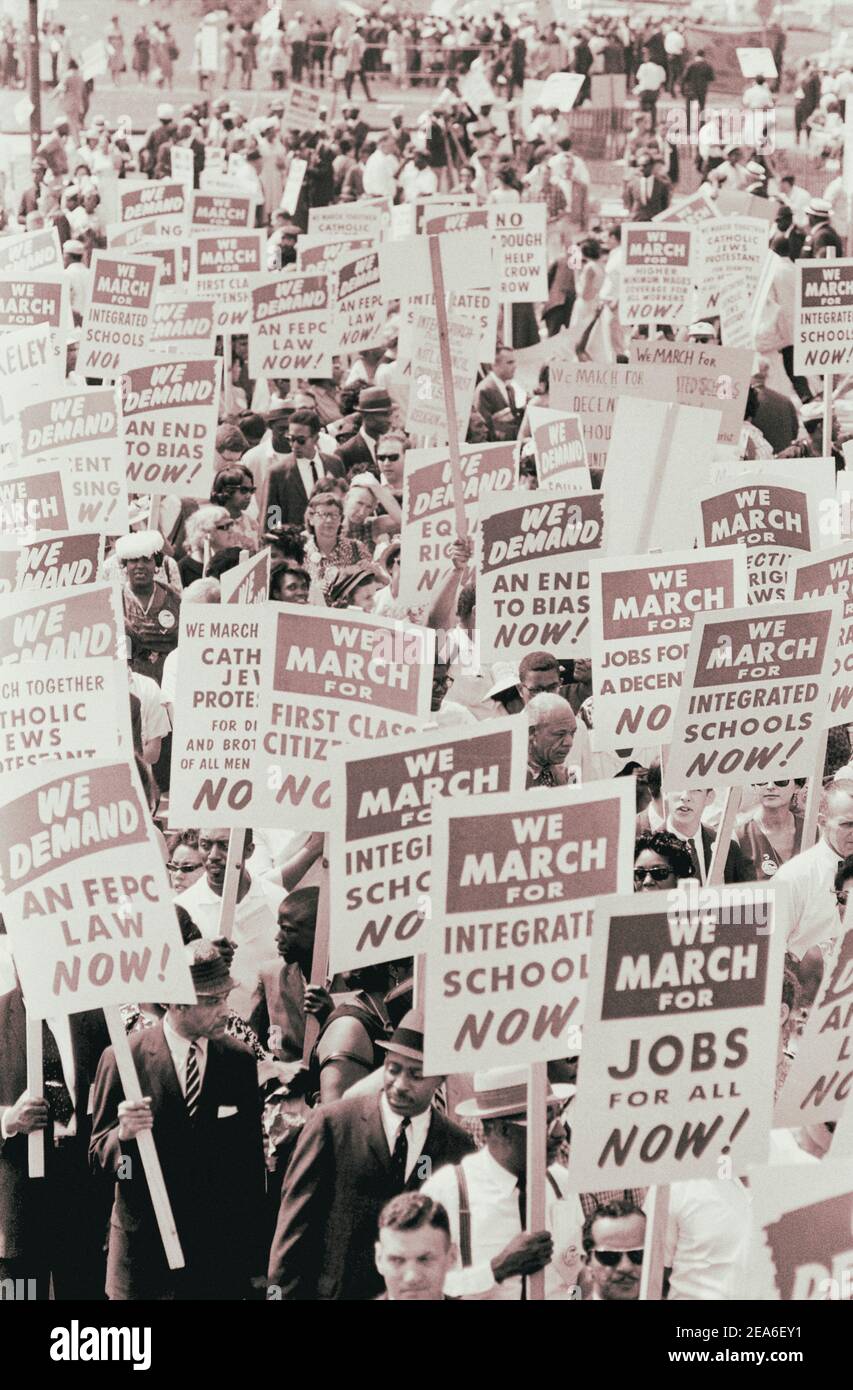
point(660, 860)
point(234, 489)
point(213, 525)
point(186, 861)
point(773, 830)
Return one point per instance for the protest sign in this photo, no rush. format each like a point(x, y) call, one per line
point(31, 253)
point(182, 162)
point(236, 183)
point(31, 366)
point(84, 622)
point(641, 611)
point(560, 91)
point(816, 577)
point(460, 219)
point(697, 374)
point(248, 582)
point(426, 211)
point(293, 186)
point(727, 251)
point(86, 900)
point(427, 415)
point(59, 561)
point(679, 1039)
point(754, 694)
point(823, 325)
point(27, 302)
point(559, 449)
point(117, 323)
point(218, 210)
point(64, 709)
point(93, 60)
point(224, 267)
point(514, 878)
point(380, 851)
point(333, 678)
point(648, 445)
point(818, 1085)
point(303, 107)
point(696, 209)
point(290, 327)
point(76, 438)
point(757, 62)
point(345, 220)
point(318, 253)
point(657, 274)
point(533, 582)
point(131, 234)
point(216, 712)
point(520, 264)
point(429, 522)
point(405, 266)
point(801, 1246)
point(163, 201)
point(590, 390)
point(769, 513)
point(360, 310)
point(172, 256)
point(480, 306)
point(36, 498)
point(182, 322)
point(736, 202)
point(170, 411)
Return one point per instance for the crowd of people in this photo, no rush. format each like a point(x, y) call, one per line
point(339, 1171)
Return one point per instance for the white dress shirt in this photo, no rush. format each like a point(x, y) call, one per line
point(180, 1049)
point(696, 842)
point(650, 77)
point(309, 480)
point(808, 878)
point(255, 926)
point(496, 1220)
point(416, 1133)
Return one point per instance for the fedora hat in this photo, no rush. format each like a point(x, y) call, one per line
point(503, 1092)
point(374, 398)
point(407, 1040)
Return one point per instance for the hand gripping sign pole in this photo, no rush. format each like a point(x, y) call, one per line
point(447, 383)
point(320, 958)
point(537, 1161)
point(145, 1141)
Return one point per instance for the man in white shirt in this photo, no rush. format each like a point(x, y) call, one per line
point(758, 96)
point(614, 334)
point(417, 179)
point(255, 915)
point(154, 719)
point(651, 79)
point(796, 198)
point(809, 876)
point(485, 1199)
point(674, 44)
point(380, 170)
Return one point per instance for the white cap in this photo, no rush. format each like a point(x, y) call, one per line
point(165, 112)
point(139, 545)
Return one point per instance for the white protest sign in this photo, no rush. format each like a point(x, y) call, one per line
point(816, 576)
point(293, 185)
point(222, 210)
point(93, 60)
point(183, 322)
point(380, 851)
point(590, 390)
point(427, 413)
point(429, 519)
point(727, 251)
point(170, 411)
point(317, 253)
point(182, 161)
point(84, 622)
point(26, 302)
point(641, 611)
point(65, 709)
point(117, 323)
point(514, 879)
point(164, 201)
point(770, 514)
point(680, 1037)
point(359, 306)
point(247, 582)
point(224, 267)
point(559, 449)
point(86, 899)
point(31, 252)
point(71, 450)
point(303, 107)
point(817, 1086)
point(173, 257)
point(405, 268)
point(757, 62)
point(560, 91)
point(657, 275)
point(480, 306)
point(801, 1249)
point(754, 694)
point(697, 374)
point(823, 327)
point(290, 329)
point(346, 220)
point(30, 366)
point(696, 209)
point(533, 582)
point(520, 253)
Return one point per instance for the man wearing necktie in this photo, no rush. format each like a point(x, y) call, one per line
point(552, 727)
point(292, 478)
point(683, 810)
point(647, 194)
point(496, 398)
point(201, 1101)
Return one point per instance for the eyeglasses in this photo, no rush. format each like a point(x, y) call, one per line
point(299, 438)
point(388, 458)
point(612, 1257)
point(786, 783)
point(658, 872)
point(182, 868)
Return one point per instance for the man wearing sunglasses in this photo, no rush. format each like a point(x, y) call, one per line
point(613, 1240)
point(293, 477)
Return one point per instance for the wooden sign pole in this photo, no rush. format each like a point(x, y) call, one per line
point(731, 806)
point(231, 882)
point(447, 384)
point(145, 1142)
point(656, 1208)
point(320, 958)
point(810, 827)
point(537, 1162)
point(35, 1087)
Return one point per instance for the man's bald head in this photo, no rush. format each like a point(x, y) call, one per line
point(835, 817)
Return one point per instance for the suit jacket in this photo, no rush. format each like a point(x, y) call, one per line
point(338, 1181)
point(355, 451)
point(212, 1165)
point(642, 208)
point(777, 419)
point(20, 1198)
point(738, 868)
point(284, 489)
point(489, 400)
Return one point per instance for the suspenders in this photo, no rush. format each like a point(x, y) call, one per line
point(465, 1211)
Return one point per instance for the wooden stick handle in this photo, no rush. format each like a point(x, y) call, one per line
point(35, 1087)
point(447, 383)
point(537, 1162)
point(320, 958)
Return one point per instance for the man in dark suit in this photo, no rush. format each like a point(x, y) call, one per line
point(683, 811)
point(776, 415)
point(50, 1227)
point(695, 81)
point(648, 193)
point(201, 1101)
point(351, 1158)
point(290, 481)
point(496, 398)
point(375, 407)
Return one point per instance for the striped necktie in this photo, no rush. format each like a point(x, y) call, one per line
point(193, 1090)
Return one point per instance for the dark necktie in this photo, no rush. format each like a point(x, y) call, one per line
point(193, 1081)
point(510, 395)
point(56, 1092)
point(546, 778)
point(522, 1212)
point(400, 1155)
point(315, 471)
